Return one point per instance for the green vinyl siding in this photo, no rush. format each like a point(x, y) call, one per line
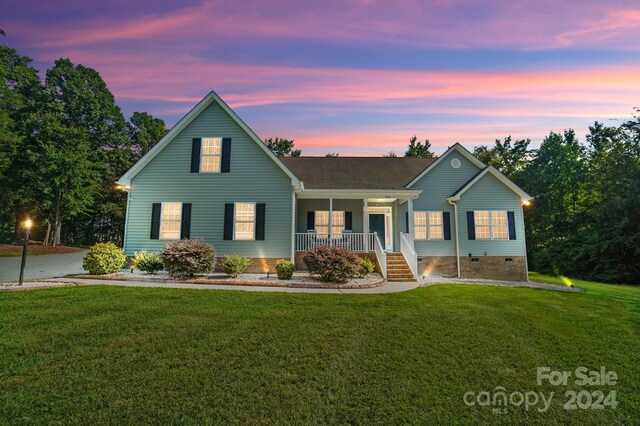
point(438, 185)
point(490, 194)
point(254, 177)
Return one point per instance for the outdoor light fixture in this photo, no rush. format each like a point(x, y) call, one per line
point(27, 224)
point(526, 203)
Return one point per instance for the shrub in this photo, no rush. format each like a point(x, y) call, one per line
point(285, 269)
point(186, 258)
point(104, 258)
point(332, 264)
point(234, 265)
point(148, 262)
point(365, 267)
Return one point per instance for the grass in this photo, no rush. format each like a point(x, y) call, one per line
point(8, 250)
point(112, 355)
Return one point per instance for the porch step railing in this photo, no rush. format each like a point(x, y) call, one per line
point(354, 241)
point(409, 253)
point(381, 255)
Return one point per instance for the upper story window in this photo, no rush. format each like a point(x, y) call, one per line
point(211, 155)
point(245, 221)
point(491, 225)
point(337, 222)
point(428, 226)
point(171, 215)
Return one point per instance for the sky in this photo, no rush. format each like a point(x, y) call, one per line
point(358, 77)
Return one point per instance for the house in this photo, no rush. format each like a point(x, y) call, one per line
point(212, 178)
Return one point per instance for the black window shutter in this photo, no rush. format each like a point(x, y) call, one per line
point(226, 155)
point(311, 220)
point(471, 225)
point(446, 225)
point(185, 222)
point(260, 219)
point(228, 221)
point(196, 146)
point(155, 220)
point(511, 220)
point(348, 221)
point(406, 221)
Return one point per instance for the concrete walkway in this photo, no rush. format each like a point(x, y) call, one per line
point(387, 288)
point(42, 266)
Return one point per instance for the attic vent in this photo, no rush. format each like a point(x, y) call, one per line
point(455, 163)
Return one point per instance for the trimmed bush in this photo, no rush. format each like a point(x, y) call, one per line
point(365, 267)
point(147, 262)
point(234, 265)
point(186, 258)
point(285, 269)
point(104, 258)
point(331, 264)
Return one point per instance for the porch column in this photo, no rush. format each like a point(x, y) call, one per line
point(410, 210)
point(365, 223)
point(330, 220)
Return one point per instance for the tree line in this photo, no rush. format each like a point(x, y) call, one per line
point(64, 143)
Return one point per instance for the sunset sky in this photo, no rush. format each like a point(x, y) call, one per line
point(354, 77)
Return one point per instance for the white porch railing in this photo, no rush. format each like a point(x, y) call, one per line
point(381, 255)
point(409, 253)
point(353, 241)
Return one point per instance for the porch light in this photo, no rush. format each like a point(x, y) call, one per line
point(526, 203)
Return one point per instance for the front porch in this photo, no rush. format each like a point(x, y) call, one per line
point(371, 223)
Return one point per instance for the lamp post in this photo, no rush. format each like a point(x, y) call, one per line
point(27, 226)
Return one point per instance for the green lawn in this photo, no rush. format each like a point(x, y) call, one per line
point(109, 355)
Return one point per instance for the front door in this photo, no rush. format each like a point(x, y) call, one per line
point(376, 224)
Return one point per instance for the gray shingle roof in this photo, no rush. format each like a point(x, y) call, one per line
point(356, 172)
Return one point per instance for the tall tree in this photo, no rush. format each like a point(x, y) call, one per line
point(282, 147)
point(509, 158)
point(556, 178)
point(419, 149)
point(144, 132)
point(19, 92)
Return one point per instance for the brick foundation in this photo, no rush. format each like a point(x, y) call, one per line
point(491, 267)
point(437, 265)
point(257, 264)
point(494, 267)
point(371, 256)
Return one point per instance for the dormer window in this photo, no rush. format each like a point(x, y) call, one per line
point(211, 155)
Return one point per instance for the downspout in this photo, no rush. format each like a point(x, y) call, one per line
point(293, 227)
point(524, 241)
point(126, 219)
point(455, 214)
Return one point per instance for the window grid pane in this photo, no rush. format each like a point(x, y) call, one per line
point(483, 232)
point(244, 227)
point(500, 232)
point(171, 214)
point(210, 155)
point(482, 217)
point(435, 232)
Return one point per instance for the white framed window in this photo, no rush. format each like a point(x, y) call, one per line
point(170, 218)
point(491, 224)
point(244, 225)
point(428, 226)
point(211, 155)
point(337, 222)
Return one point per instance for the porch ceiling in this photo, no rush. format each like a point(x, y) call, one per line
point(373, 195)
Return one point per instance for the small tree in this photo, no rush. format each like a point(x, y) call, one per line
point(419, 149)
point(390, 154)
point(282, 147)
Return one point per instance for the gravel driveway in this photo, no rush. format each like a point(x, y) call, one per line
point(44, 266)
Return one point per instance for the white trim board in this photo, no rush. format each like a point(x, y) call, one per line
point(184, 122)
point(502, 178)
